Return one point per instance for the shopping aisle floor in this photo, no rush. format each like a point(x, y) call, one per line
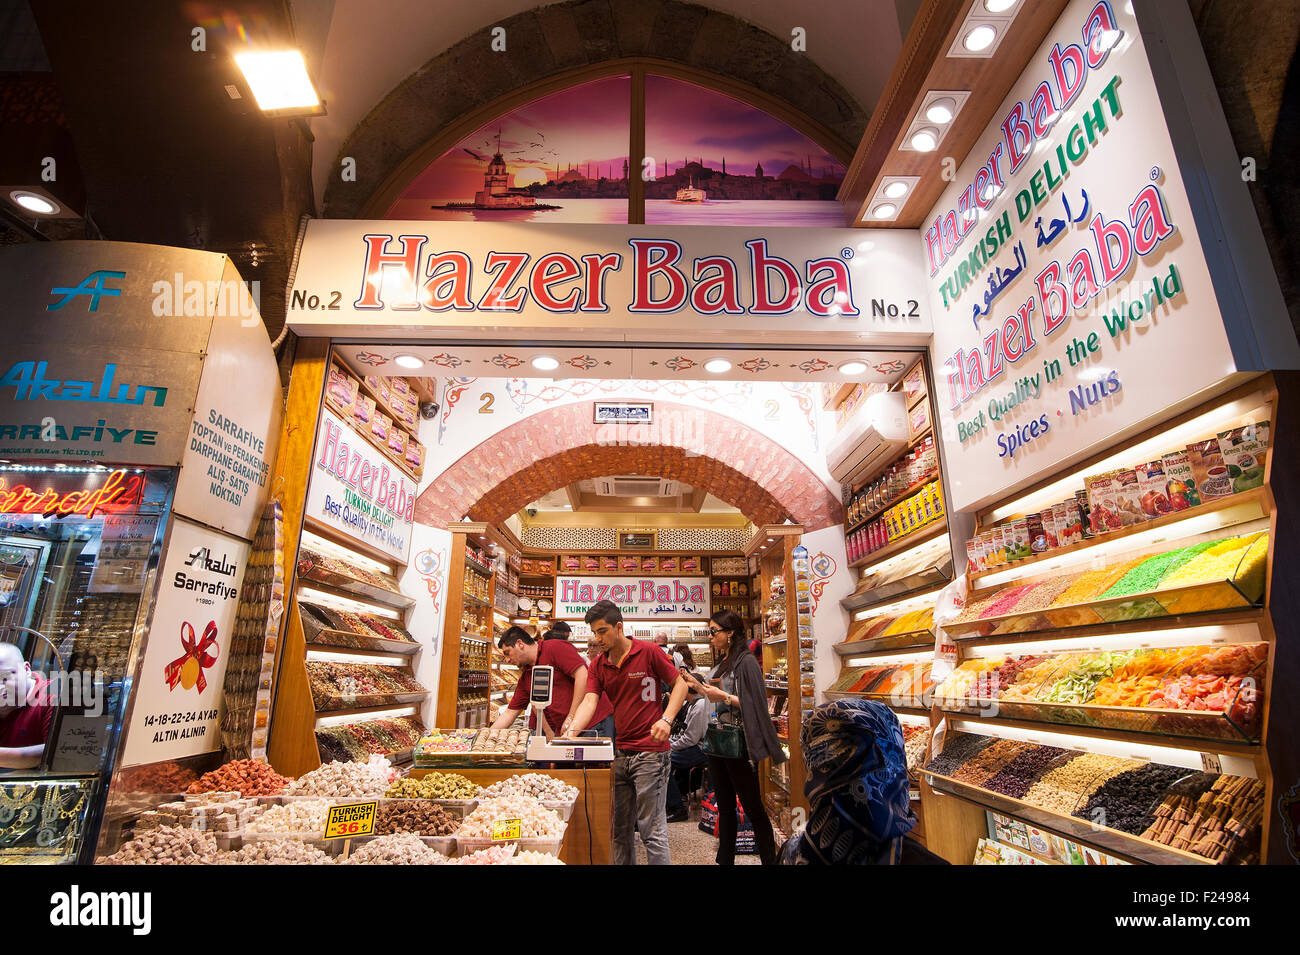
point(689, 845)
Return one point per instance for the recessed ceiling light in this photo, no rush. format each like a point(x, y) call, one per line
point(716, 366)
point(885, 210)
point(34, 203)
point(997, 6)
point(409, 361)
point(924, 140)
point(545, 363)
point(278, 79)
point(896, 188)
point(941, 110)
point(853, 367)
point(981, 38)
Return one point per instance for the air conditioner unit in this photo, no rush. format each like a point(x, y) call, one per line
point(873, 437)
point(632, 486)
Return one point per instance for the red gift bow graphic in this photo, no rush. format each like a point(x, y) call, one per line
point(197, 650)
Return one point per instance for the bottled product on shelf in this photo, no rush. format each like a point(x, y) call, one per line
point(921, 510)
point(896, 482)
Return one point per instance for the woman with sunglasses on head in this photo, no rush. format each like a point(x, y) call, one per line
point(740, 735)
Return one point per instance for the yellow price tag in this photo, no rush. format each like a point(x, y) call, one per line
point(354, 819)
point(504, 829)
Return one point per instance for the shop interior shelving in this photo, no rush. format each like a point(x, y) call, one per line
point(341, 577)
point(771, 555)
point(1221, 622)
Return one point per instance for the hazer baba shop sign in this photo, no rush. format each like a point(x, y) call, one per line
point(359, 491)
point(1064, 299)
point(422, 274)
point(638, 598)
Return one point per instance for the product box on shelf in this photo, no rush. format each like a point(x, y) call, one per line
point(1244, 451)
point(341, 389)
point(609, 564)
point(1208, 467)
point(1180, 481)
point(571, 562)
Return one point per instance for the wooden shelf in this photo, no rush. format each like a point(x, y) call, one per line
point(381, 405)
point(905, 710)
point(900, 498)
point(914, 585)
point(474, 599)
point(383, 449)
point(366, 710)
point(1254, 505)
point(1255, 615)
point(915, 539)
point(838, 395)
point(773, 641)
point(359, 591)
point(912, 445)
point(1080, 830)
point(374, 645)
point(1239, 747)
point(921, 640)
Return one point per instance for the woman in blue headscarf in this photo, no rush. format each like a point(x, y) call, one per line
point(857, 787)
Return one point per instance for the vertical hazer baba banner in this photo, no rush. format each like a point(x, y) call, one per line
point(358, 491)
point(1071, 294)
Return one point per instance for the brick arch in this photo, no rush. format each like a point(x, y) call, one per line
point(572, 39)
point(558, 446)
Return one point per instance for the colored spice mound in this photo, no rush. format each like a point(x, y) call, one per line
point(1077, 685)
point(1147, 575)
point(1029, 766)
point(1219, 562)
point(1006, 600)
point(1068, 785)
point(957, 751)
point(988, 761)
point(1127, 801)
point(1042, 594)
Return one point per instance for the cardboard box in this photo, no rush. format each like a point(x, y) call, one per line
point(1180, 482)
point(1213, 479)
point(1103, 514)
point(1153, 489)
point(1244, 452)
point(341, 389)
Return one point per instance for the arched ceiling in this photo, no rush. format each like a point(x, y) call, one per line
point(363, 51)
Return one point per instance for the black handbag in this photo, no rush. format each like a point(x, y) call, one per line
point(725, 740)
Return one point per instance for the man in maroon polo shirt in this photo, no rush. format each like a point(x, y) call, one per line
point(25, 713)
point(568, 686)
point(632, 674)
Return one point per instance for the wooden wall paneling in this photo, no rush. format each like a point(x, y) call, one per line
point(293, 750)
point(595, 786)
point(290, 478)
point(953, 826)
point(794, 680)
point(449, 677)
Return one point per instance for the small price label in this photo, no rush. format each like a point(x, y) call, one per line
point(1211, 763)
point(504, 829)
point(354, 819)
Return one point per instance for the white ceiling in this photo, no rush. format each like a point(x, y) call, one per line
point(359, 50)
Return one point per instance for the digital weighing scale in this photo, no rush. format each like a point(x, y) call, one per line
point(541, 750)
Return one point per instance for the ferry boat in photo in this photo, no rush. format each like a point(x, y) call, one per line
point(691, 194)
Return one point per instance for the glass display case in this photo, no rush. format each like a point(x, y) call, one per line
point(79, 548)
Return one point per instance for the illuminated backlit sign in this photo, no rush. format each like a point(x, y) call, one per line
point(119, 491)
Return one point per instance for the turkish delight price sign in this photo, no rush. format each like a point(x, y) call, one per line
point(354, 819)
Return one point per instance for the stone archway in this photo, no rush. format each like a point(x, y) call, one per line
point(548, 450)
point(564, 38)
